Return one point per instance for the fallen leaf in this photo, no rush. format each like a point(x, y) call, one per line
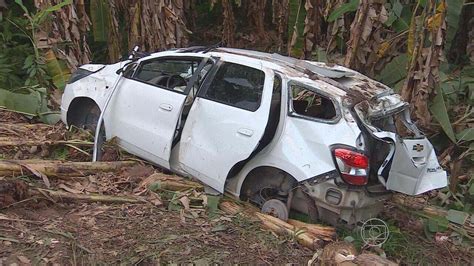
point(37, 173)
point(181, 216)
point(24, 259)
point(154, 199)
point(458, 217)
point(185, 201)
point(68, 189)
point(219, 228)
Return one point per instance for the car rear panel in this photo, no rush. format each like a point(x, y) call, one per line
point(402, 158)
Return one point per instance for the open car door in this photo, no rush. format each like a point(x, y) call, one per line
point(145, 110)
point(226, 122)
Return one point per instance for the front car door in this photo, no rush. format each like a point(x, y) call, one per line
point(144, 112)
point(226, 121)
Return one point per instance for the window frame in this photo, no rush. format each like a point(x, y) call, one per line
point(211, 76)
point(293, 113)
point(198, 59)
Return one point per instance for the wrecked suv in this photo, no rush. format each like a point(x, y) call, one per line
point(283, 133)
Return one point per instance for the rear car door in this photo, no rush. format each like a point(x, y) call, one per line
point(144, 112)
point(226, 121)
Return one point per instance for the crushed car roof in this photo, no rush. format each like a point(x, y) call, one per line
point(349, 83)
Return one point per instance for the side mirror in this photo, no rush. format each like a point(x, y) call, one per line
point(120, 70)
point(133, 53)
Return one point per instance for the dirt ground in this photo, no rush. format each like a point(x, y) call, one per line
point(135, 234)
point(40, 231)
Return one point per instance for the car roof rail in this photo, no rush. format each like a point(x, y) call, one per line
point(303, 65)
point(199, 48)
point(192, 49)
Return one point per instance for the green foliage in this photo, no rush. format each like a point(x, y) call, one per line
point(452, 91)
point(296, 22)
point(35, 65)
point(31, 101)
point(399, 16)
point(436, 224)
point(57, 69)
point(457, 217)
point(40, 16)
point(344, 8)
point(18, 64)
point(440, 112)
point(452, 19)
point(100, 19)
point(395, 71)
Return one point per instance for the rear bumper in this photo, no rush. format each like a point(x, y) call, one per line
point(336, 203)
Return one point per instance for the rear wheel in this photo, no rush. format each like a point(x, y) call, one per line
point(271, 189)
point(276, 208)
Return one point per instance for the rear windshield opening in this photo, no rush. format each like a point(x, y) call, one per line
point(397, 124)
point(312, 104)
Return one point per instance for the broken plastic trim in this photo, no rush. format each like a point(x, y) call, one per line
point(322, 178)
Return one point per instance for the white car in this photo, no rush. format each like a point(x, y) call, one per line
point(280, 132)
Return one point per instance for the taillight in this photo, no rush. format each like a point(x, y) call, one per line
point(354, 166)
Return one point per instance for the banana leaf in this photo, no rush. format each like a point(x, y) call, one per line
point(394, 71)
point(100, 16)
point(452, 19)
point(57, 70)
point(296, 18)
point(31, 102)
point(440, 112)
point(344, 8)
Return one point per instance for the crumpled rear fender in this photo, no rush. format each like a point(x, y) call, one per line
point(302, 150)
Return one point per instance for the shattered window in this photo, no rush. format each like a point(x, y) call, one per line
point(237, 85)
point(171, 74)
point(311, 104)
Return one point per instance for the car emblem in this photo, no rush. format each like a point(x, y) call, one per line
point(418, 147)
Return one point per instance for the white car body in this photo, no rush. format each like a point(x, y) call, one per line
point(219, 144)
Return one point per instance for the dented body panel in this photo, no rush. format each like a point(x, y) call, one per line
point(305, 111)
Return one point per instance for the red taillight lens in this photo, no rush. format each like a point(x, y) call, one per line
point(353, 166)
point(352, 158)
point(356, 180)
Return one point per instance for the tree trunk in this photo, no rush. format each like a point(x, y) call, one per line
point(228, 31)
point(70, 197)
point(308, 238)
point(312, 26)
point(326, 233)
point(423, 69)
point(59, 169)
point(16, 142)
point(280, 20)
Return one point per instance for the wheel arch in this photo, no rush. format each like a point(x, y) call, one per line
point(244, 179)
point(77, 109)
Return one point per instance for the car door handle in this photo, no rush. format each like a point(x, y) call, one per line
point(166, 107)
point(246, 132)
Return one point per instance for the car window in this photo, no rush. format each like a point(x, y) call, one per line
point(237, 85)
point(311, 104)
point(171, 74)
